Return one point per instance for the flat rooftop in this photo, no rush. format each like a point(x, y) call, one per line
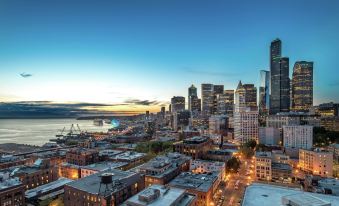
point(331, 181)
point(101, 166)
point(129, 156)
point(223, 151)
point(163, 164)
point(43, 189)
point(8, 182)
point(270, 195)
point(91, 183)
point(263, 154)
point(109, 152)
point(281, 166)
point(167, 196)
point(195, 140)
point(199, 182)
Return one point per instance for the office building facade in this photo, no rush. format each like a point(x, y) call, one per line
point(264, 92)
point(192, 92)
point(280, 82)
point(207, 99)
point(302, 86)
point(177, 104)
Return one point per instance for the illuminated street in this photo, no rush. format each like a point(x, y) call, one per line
point(230, 194)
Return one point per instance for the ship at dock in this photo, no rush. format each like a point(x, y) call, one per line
point(73, 133)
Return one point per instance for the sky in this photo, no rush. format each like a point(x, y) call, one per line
point(135, 55)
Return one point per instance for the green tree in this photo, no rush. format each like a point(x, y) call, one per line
point(246, 151)
point(233, 165)
point(251, 144)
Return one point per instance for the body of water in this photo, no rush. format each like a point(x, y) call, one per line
point(39, 131)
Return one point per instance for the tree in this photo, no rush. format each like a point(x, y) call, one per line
point(246, 151)
point(251, 144)
point(233, 164)
point(323, 137)
point(155, 147)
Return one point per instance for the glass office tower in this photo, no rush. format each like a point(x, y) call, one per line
point(280, 82)
point(302, 86)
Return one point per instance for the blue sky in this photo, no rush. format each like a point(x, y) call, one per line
point(114, 51)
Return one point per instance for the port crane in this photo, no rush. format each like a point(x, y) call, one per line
point(73, 131)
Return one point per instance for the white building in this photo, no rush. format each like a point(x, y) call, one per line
point(246, 125)
point(278, 121)
point(269, 136)
point(298, 136)
point(316, 162)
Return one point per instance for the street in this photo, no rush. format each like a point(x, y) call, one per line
point(232, 192)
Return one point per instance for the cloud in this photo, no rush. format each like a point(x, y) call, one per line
point(48, 109)
point(209, 72)
point(142, 102)
point(24, 75)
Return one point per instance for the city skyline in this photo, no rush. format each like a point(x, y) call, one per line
point(101, 61)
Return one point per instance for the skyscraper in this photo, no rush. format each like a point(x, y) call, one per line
point(217, 90)
point(239, 98)
point(245, 115)
point(280, 82)
point(250, 95)
point(302, 86)
point(245, 96)
point(195, 104)
point(192, 92)
point(264, 91)
point(207, 98)
point(226, 102)
point(177, 104)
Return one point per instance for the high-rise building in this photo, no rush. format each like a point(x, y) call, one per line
point(207, 98)
point(245, 96)
point(264, 92)
point(246, 125)
point(192, 92)
point(217, 90)
point(218, 124)
point(280, 82)
point(181, 120)
point(163, 110)
point(245, 115)
point(250, 95)
point(298, 136)
point(195, 104)
point(177, 104)
point(302, 86)
point(239, 98)
point(226, 102)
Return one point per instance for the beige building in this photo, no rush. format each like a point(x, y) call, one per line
point(263, 165)
point(316, 162)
